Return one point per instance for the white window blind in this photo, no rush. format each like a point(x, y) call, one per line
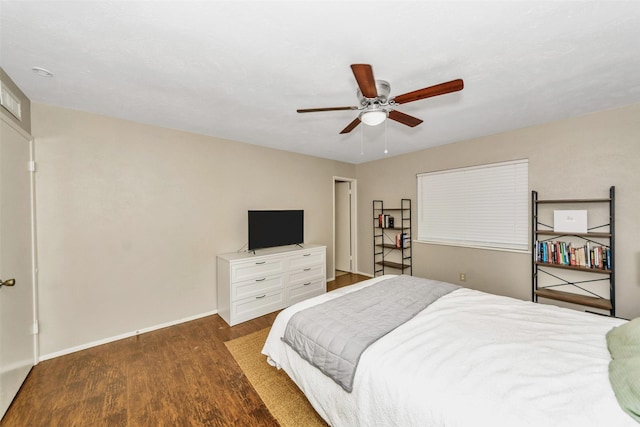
point(485, 206)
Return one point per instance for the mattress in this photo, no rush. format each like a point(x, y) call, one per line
point(468, 359)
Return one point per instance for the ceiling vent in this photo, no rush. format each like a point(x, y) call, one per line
point(10, 102)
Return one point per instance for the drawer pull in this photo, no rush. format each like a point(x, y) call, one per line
point(261, 280)
point(307, 269)
point(261, 296)
point(306, 255)
point(306, 284)
point(260, 262)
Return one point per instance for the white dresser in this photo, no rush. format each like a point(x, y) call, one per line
point(251, 285)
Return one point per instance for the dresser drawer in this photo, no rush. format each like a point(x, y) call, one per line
point(304, 290)
point(304, 258)
point(244, 270)
point(305, 273)
point(253, 287)
point(256, 306)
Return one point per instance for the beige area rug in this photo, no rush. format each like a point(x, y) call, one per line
point(281, 396)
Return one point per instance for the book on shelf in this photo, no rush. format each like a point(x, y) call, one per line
point(402, 240)
point(563, 253)
point(385, 221)
point(406, 240)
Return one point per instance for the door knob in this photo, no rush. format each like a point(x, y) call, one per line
point(8, 282)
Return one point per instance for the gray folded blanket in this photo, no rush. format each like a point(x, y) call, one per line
point(333, 335)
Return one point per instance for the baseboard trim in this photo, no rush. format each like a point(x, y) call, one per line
point(122, 336)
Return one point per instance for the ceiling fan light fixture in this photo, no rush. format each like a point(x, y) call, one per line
point(375, 105)
point(373, 117)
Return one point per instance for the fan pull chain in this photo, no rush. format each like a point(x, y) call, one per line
point(386, 151)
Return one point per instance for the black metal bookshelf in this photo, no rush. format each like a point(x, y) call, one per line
point(545, 234)
point(392, 250)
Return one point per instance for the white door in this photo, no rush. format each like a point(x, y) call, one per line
point(343, 243)
point(17, 343)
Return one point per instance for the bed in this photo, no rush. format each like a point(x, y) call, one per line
point(468, 359)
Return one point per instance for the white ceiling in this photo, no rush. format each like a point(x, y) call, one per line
point(239, 70)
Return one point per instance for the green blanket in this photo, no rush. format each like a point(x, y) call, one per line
point(624, 369)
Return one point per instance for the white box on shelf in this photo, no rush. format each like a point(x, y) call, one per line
point(570, 221)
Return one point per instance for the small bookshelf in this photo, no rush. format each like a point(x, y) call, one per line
point(590, 251)
point(392, 250)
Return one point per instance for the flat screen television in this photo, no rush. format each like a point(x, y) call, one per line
point(268, 229)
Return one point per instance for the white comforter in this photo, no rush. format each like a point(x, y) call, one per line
point(469, 359)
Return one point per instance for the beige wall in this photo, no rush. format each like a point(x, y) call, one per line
point(580, 157)
point(130, 218)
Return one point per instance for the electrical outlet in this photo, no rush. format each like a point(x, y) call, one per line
point(463, 277)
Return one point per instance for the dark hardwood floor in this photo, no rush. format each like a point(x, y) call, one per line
point(177, 376)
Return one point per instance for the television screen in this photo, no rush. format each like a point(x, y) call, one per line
point(275, 228)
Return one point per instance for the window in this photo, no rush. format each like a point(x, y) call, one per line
point(481, 206)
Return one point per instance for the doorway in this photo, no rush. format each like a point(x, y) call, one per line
point(17, 293)
point(344, 226)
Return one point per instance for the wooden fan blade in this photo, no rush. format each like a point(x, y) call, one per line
point(315, 110)
point(427, 92)
point(364, 76)
point(403, 118)
point(351, 125)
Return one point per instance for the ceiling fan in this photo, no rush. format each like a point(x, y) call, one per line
point(375, 104)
